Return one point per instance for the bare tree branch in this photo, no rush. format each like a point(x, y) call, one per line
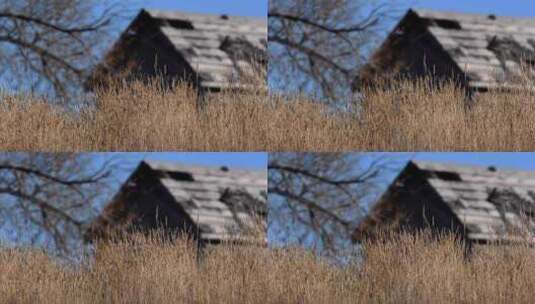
point(362, 26)
point(335, 182)
point(317, 46)
point(322, 196)
point(68, 182)
point(46, 198)
point(67, 30)
point(48, 46)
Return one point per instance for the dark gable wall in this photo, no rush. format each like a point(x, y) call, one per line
point(410, 51)
point(143, 52)
point(410, 204)
point(143, 204)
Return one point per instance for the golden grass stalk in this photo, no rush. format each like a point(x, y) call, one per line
point(405, 117)
point(404, 269)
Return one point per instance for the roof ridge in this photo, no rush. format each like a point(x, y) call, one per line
point(177, 165)
point(422, 12)
point(456, 166)
point(159, 13)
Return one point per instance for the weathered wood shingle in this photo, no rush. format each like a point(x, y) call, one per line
point(485, 50)
point(199, 39)
point(214, 204)
point(488, 204)
point(197, 47)
point(471, 197)
point(203, 198)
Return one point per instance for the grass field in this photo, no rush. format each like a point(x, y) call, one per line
point(408, 269)
point(406, 117)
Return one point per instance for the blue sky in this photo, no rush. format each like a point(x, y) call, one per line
point(256, 8)
point(504, 160)
point(520, 161)
point(498, 7)
point(259, 7)
point(516, 161)
point(241, 160)
point(129, 161)
point(258, 160)
point(513, 160)
point(515, 8)
point(125, 163)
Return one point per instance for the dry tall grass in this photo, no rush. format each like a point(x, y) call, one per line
point(406, 117)
point(408, 269)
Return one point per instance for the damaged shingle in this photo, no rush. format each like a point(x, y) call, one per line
point(445, 175)
point(447, 24)
point(183, 176)
point(512, 208)
point(478, 203)
point(179, 24)
point(199, 48)
point(508, 49)
point(216, 204)
point(507, 200)
point(239, 200)
point(239, 48)
point(479, 52)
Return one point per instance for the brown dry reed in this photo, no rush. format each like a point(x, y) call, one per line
point(407, 116)
point(405, 269)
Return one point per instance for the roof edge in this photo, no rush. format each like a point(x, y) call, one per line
point(411, 13)
point(166, 14)
point(184, 166)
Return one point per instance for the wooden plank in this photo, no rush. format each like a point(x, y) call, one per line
point(488, 63)
point(483, 236)
point(480, 220)
point(480, 204)
point(455, 34)
point(492, 213)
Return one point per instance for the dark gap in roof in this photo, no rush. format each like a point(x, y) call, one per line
point(190, 203)
point(176, 23)
point(205, 76)
point(458, 51)
point(507, 200)
point(216, 209)
point(241, 201)
point(239, 48)
point(531, 42)
point(445, 175)
point(474, 228)
point(182, 176)
point(205, 228)
point(224, 17)
point(506, 48)
point(531, 211)
point(458, 203)
point(447, 24)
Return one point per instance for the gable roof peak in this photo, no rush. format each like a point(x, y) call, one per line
point(471, 169)
point(489, 17)
point(186, 15)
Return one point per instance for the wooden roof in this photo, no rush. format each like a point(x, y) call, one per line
point(199, 39)
point(202, 197)
point(221, 203)
point(471, 197)
point(488, 49)
point(488, 202)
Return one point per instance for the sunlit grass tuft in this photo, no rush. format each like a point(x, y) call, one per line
point(405, 117)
